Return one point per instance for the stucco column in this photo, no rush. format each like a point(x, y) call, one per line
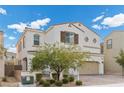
point(101, 68)
point(2, 66)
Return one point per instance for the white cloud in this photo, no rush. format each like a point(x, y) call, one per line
point(5, 35)
point(38, 23)
point(3, 11)
point(19, 27)
point(97, 27)
point(115, 21)
point(11, 38)
point(35, 25)
point(12, 49)
point(98, 18)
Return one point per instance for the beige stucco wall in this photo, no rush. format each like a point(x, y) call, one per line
point(1, 57)
point(111, 67)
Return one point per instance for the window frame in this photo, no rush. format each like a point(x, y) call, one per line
point(109, 46)
point(36, 41)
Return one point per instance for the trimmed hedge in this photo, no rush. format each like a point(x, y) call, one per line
point(46, 84)
point(52, 81)
point(65, 76)
point(65, 80)
point(71, 79)
point(58, 83)
point(38, 76)
point(41, 82)
point(4, 79)
point(78, 83)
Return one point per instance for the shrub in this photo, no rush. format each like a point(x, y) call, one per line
point(65, 76)
point(41, 82)
point(54, 75)
point(71, 79)
point(46, 84)
point(65, 80)
point(48, 80)
point(52, 81)
point(38, 76)
point(58, 83)
point(4, 79)
point(78, 82)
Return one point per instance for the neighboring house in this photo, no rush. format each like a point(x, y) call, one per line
point(113, 43)
point(10, 58)
point(1, 56)
point(66, 33)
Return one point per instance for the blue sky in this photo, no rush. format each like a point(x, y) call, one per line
point(101, 19)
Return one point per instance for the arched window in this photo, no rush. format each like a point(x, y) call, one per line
point(94, 40)
point(36, 39)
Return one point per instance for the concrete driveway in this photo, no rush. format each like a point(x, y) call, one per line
point(96, 80)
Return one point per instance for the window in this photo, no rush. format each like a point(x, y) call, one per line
point(94, 40)
point(69, 37)
point(109, 44)
point(36, 39)
point(86, 39)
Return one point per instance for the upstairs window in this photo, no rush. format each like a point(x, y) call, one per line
point(36, 39)
point(109, 44)
point(69, 37)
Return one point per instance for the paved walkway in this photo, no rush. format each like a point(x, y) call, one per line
point(104, 80)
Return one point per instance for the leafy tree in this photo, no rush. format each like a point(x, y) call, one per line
point(58, 57)
point(120, 60)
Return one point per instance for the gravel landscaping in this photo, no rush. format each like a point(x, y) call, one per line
point(101, 80)
point(11, 82)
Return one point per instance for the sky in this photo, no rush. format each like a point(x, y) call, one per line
point(100, 19)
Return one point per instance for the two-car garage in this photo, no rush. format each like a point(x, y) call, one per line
point(89, 68)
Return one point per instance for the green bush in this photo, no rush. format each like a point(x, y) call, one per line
point(54, 75)
point(48, 80)
point(52, 81)
point(78, 82)
point(71, 79)
point(38, 76)
point(41, 82)
point(4, 79)
point(58, 83)
point(65, 76)
point(65, 80)
point(46, 84)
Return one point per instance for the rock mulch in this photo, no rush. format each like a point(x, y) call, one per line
point(11, 82)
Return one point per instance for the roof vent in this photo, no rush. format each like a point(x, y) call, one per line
point(69, 25)
point(79, 24)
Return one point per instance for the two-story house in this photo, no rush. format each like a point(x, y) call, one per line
point(112, 46)
point(65, 33)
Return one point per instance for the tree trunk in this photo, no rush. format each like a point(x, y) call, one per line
point(58, 76)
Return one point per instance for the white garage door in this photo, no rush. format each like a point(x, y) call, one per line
point(89, 68)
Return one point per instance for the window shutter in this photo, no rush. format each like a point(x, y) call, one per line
point(63, 36)
point(76, 38)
